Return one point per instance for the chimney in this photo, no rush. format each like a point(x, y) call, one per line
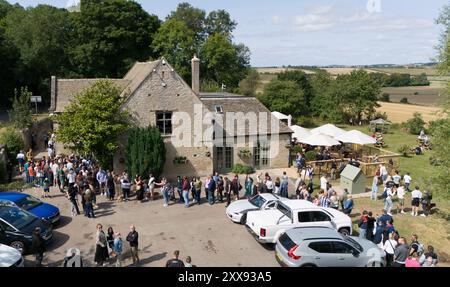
point(196, 75)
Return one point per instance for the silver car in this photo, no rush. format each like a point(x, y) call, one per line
point(325, 247)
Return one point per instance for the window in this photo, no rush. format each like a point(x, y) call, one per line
point(319, 216)
point(261, 155)
point(304, 216)
point(265, 155)
point(164, 122)
point(228, 157)
point(219, 157)
point(341, 247)
point(286, 241)
point(219, 109)
point(321, 247)
point(256, 156)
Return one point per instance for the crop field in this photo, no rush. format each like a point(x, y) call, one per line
point(430, 71)
point(422, 95)
point(398, 113)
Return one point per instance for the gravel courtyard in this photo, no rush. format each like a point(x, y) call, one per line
point(202, 232)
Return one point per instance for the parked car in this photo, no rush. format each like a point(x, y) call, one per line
point(268, 225)
point(17, 226)
point(237, 210)
point(325, 247)
point(33, 205)
point(10, 257)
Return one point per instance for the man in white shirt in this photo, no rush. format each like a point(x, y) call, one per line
point(55, 169)
point(396, 179)
point(416, 196)
point(324, 183)
point(71, 177)
point(401, 199)
point(21, 160)
point(407, 180)
point(388, 201)
point(383, 173)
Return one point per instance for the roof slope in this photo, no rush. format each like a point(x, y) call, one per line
point(68, 88)
point(232, 103)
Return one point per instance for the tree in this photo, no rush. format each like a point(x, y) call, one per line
point(249, 85)
point(174, 41)
point(223, 62)
point(21, 115)
point(109, 36)
point(194, 19)
point(220, 22)
point(284, 97)
point(93, 121)
point(415, 124)
point(444, 43)
point(302, 80)
point(40, 35)
point(146, 152)
point(13, 143)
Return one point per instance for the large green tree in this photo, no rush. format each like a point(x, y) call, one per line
point(302, 80)
point(220, 22)
point(146, 152)
point(193, 18)
point(284, 97)
point(93, 121)
point(40, 36)
point(441, 131)
point(109, 36)
point(21, 115)
point(174, 41)
point(222, 62)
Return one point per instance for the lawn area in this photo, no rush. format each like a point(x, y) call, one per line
point(433, 230)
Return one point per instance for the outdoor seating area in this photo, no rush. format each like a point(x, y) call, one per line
point(328, 148)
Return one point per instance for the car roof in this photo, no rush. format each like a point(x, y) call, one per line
point(270, 196)
point(12, 196)
point(312, 233)
point(299, 203)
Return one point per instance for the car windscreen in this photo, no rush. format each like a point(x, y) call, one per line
point(257, 201)
point(285, 210)
point(353, 243)
point(16, 217)
point(28, 203)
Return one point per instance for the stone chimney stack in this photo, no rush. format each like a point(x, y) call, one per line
point(53, 89)
point(196, 75)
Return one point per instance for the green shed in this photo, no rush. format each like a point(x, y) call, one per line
point(353, 179)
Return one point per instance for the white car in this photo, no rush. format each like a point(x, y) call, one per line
point(10, 257)
point(237, 210)
point(268, 225)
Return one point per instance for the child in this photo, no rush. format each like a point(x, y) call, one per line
point(46, 187)
point(118, 249)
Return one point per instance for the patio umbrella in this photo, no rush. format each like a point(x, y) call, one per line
point(299, 132)
point(329, 130)
point(320, 140)
point(356, 137)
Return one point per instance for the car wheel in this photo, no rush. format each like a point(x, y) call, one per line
point(344, 231)
point(19, 245)
point(244, 218)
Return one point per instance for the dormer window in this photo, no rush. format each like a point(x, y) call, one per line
point(219, 109)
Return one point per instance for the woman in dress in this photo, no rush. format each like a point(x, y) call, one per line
point(101, 247)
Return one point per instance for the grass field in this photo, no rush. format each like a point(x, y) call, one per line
point(422, 95)
point(435, 229)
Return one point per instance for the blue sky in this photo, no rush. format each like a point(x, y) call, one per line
point(322, 32)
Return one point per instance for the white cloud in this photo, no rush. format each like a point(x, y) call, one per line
point(313, 22)
point(320, 9)
point(360, 17)
point(276, 19)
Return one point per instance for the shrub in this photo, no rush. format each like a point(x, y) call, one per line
point(297, 149)
point(305, 122)
point(403, 150)
point(13, 143)
point(415, 124)
point(310, 155)
point(404, 100)
point(146, 152)
point(385, 97)
point(3, 172)
point(243, 169)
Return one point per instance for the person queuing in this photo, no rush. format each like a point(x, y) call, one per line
point(133, 240)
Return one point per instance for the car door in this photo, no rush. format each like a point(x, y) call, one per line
point(346, 255)
point(314, 218)
point(321, 254)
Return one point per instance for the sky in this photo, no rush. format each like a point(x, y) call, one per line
point(321, 32)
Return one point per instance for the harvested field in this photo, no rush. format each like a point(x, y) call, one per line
point(398, 113)
point(412, 71)
point(423, 95)
point(280, 70)
point(345, 71)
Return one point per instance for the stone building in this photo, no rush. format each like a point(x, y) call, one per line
point(213, 131)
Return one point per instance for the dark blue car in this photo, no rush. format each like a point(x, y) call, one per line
point(33, 205)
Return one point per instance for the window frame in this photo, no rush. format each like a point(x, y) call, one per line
point(164, 120)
